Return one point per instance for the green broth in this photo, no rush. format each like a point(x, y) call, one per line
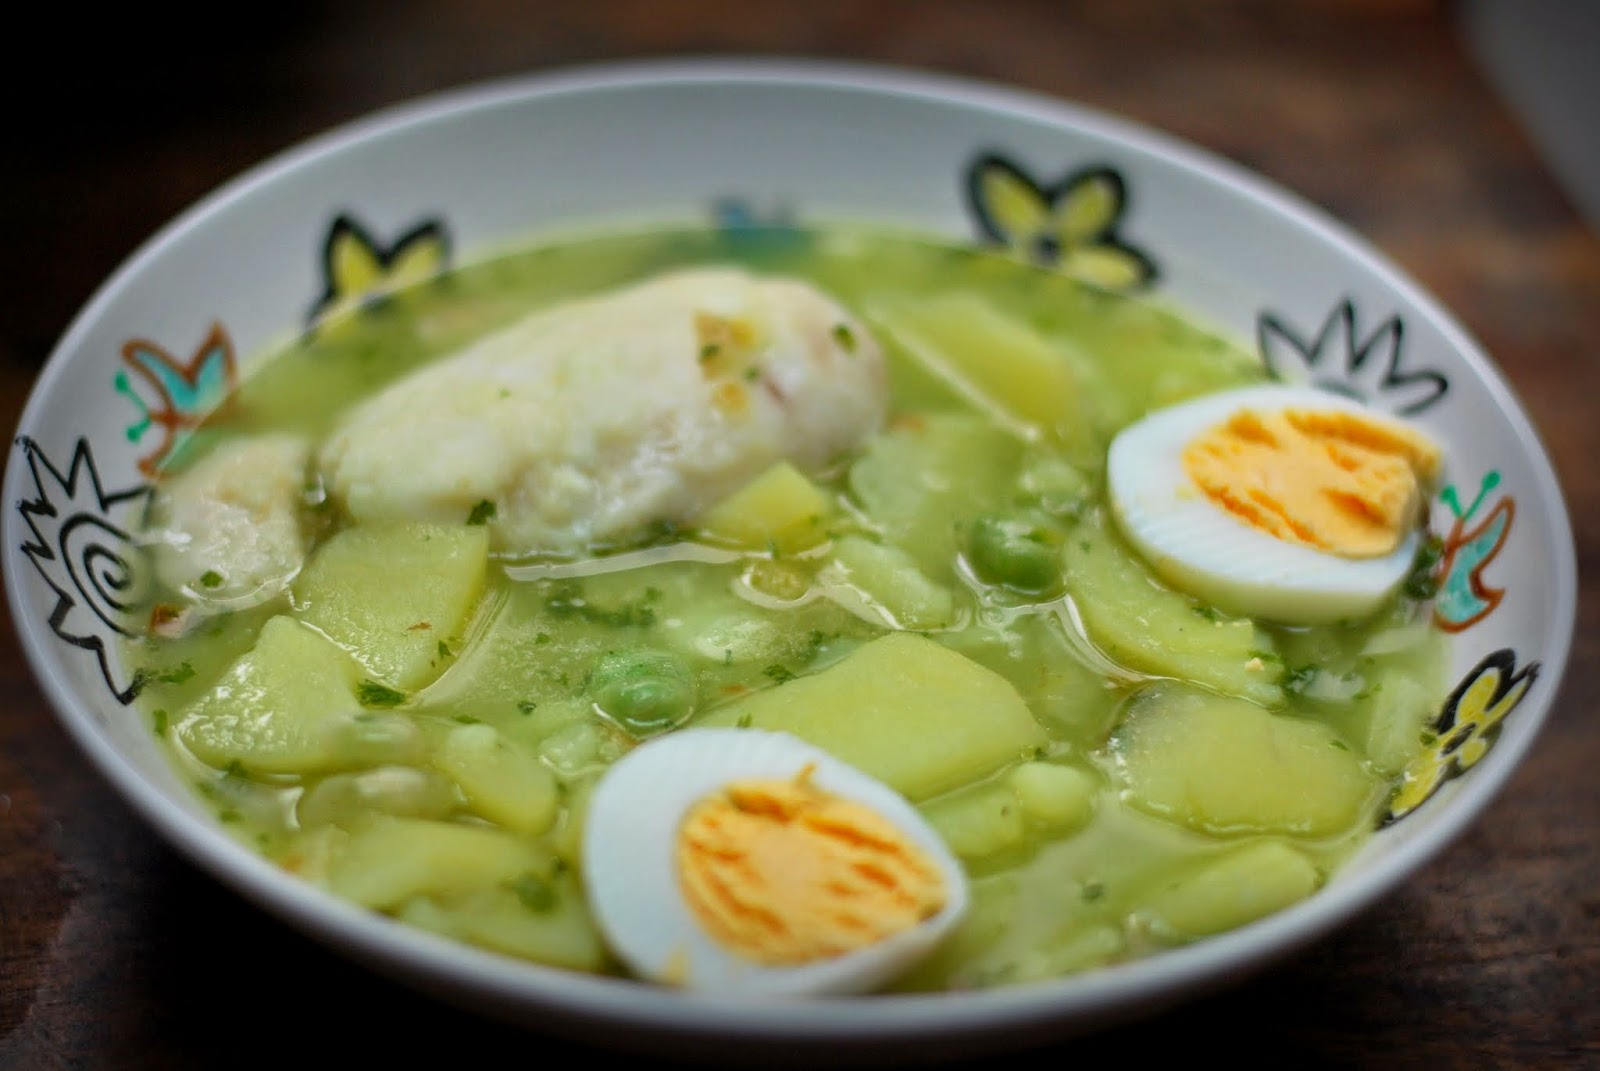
point(997, 533)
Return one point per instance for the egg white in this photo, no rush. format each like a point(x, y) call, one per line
point(1200, 548)
point(629, 858)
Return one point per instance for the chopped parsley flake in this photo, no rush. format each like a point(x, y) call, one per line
point(534, 893)
point(744, 722)
point(815, 642)
point(482, 513)
point(661, 531)
point(778, 673)
point(1299, 680)
point(373, 694)
point(159, 718)
point(211, 579)
point(1422, 582)
point(526, 706)
point(845, 337)
point(465, 719)
point(566, 600)
point(444, 649)
point(176, 676)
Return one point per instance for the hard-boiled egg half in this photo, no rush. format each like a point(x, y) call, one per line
point(1289, 503)
point(749, 862)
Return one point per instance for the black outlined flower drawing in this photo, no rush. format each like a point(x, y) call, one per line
point(78, 544)
point(1338, 358)
point(359, 271)
point(1070, 225)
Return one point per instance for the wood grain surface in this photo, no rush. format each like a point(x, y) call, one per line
point(116, 953)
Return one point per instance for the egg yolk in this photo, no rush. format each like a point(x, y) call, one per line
point(1338, 481)
point(782, 873)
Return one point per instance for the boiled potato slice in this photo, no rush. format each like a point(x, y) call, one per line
point(912, 713)
point(913, 479)
point(1156, 630)
point(780, 510)
point(982, 821)
point(1396, 720)
point(1225, 893)
point(351, 799)
point(1055, 798)
point(978, 822)
point(503, 781)
point(887, 582)
point(397, 596)
point(395, 859)
point(546, 921)
point(1227, 766)
point(998, 361)
point(1034, 653)
point(282, 707)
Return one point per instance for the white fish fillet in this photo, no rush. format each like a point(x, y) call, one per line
point(584, 423)
point(228, 529)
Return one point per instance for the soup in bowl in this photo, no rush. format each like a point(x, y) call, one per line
point(700, 575)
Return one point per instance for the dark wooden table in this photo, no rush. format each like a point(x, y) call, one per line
point(115, 953)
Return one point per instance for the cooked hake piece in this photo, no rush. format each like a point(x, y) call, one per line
point(586, 422)
point(229, 531)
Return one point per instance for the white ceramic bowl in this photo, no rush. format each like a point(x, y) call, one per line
point(697, 141)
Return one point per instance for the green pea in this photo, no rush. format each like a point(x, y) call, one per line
point(644, 691)
point(1015, 552)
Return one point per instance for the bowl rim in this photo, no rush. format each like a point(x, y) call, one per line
point(531, 994)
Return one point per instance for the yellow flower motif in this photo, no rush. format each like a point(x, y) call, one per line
point(1464, 730)
point(358, 272)
point(1070, 226)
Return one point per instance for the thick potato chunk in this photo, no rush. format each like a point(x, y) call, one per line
point(396, 859)
point(392, 594)
point(912, 480)
point(545, 921)
point(282, 707)
point(780, 510)
point(1162, 632)
point(1000, 362)
point(503, 781)
point(884, 581)
point(912, 713)
point(982, 821)
point(1229, 891)
point(1225, 766)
